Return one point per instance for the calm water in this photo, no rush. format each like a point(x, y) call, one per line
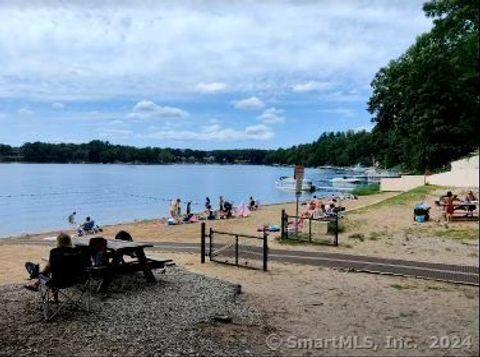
point(39, 197)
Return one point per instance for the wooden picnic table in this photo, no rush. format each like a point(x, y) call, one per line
point(458, 204)
point(117, 250)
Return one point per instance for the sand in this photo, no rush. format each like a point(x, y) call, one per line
point(318, 303)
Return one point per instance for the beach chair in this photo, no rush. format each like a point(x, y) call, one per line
point(296, 224)
point(69, 279)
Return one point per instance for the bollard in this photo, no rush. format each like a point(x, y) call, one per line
point(202, 243)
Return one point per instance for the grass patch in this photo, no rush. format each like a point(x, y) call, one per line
point(460, 234)
point(302, 239)
point(436, 288)
point(406, 198)
point(457, 234)
point(331, 227)
point(358, 236)
point(374, 236)
point(366, 190)
point(403, 287)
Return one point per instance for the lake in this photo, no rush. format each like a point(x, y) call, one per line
point(39, 197)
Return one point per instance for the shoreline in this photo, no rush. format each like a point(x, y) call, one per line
point(121, 223)
point(162, 219)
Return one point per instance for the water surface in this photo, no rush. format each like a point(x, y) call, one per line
point(39, 197)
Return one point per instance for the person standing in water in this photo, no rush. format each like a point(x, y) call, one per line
point(71, 218)
point(221, 204)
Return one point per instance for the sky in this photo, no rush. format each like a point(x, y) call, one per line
point(195, 74)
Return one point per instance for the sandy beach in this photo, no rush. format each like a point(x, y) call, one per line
point(312, 302)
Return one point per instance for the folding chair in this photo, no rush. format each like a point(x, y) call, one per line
point(99, 256)
point(69, 278)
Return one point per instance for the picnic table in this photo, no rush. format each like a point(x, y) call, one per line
point(117, 250)
point(469, 207)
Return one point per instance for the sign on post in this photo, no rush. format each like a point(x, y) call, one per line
point(299, 175)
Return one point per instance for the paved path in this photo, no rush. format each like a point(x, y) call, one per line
point(460, 274)
point(444, 272)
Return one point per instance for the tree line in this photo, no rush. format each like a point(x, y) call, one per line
point(424, 105)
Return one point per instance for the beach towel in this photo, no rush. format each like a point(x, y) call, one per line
point(194, 219)
point(242, 210)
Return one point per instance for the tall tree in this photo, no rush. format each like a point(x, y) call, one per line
point(426, 103)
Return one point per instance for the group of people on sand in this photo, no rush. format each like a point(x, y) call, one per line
point(452, 203)
point(225, 210)
point(318, 208)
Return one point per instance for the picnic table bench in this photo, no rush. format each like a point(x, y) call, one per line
point(117, 250)
point(462, 207)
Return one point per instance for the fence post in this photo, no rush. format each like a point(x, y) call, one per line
point(310, 230)
point(286, 225)
point(265, 250)
point(202, 243)
point(336, 230)
point(236, 250)
point(282, 235)
point(210, 245)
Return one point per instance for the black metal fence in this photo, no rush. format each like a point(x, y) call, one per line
point(303, 229)
point(235, 249)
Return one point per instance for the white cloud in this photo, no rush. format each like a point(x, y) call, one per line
point(338, 111)
point(148, 109)
point(58, 105)
point(216, 133)
point(25, 111)
point(249, 103)
point(311, 86)
point(272, 116)
point(211, 88)
point(64, 49)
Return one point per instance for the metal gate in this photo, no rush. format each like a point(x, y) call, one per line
point(234, 249)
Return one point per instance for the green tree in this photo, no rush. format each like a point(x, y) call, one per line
point(426, 103)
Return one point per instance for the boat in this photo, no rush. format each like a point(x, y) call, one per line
point(346, 180)
point(290, 184)
point(374, 175)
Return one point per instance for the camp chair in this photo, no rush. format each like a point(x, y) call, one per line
point(99, 257)
point(69, 278)
point(125, 236)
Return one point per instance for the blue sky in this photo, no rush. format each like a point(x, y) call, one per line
point(198, 74)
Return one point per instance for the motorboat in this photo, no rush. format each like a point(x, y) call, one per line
point(290, 184)
point(374, 175)
point(346, 180)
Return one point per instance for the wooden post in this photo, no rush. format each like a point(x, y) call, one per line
point(310, 230)
point(265, 251)
point(236, 250)
point(202, 243)
point(210, 244)
point(336, 230)
point(282, 234)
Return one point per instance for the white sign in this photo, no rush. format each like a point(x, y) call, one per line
point(299, 175)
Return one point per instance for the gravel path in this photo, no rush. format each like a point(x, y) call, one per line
point(175, 316)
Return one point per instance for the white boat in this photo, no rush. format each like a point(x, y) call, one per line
point(358, 168)
point(345, 180)
point(290, 184)
point(374, 175)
